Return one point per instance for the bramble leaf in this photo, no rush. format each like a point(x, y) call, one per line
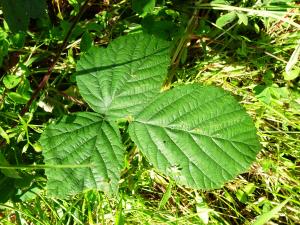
point(119, 80)
point(198, 135)
point(82, 151)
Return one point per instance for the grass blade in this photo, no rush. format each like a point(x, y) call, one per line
point(264, 218)
point(166, 195)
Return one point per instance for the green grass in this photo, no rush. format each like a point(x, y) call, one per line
point(249, 64)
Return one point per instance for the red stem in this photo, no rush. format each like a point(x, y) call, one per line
point(46, 77)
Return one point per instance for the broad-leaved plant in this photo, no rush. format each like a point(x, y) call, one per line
point(198, 135)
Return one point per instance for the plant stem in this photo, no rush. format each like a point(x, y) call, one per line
point(33, 167)
point(46, 77)
point(181, 47)
point(262, 13)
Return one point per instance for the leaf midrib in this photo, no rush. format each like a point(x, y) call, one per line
point(175, 128)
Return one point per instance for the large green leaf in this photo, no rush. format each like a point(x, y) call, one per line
point(82, 151)
point(118, 80)
point(200, 136)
